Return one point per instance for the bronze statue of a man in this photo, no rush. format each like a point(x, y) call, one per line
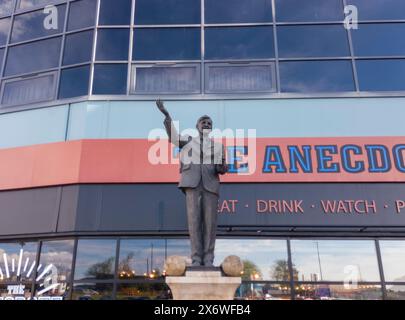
point(202, 160)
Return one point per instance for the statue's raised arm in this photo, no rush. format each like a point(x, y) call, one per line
point(170, 128)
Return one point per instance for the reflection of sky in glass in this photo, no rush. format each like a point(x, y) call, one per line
point(237, 11)
point(393, 259)
point(309, 10)
point(167, 11)
point(6, 6)
point(31, 25)
point(179, 247)
point(58, 253)
point(239, 42)
point(142, 256)
point(91, 252)
point(4, 29)
point(12, 250)
point(381, 75)
point(263, 253)
point(334, 256)
point(316, 76)
point(312, 41)
point(379, 9)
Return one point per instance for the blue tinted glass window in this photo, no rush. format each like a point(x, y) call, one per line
point(6, 7)
point(112, 44)
point(4, 30)
point(316, 76)
point(167, 11)
point(33, 56)
point(82, 14)
point(381, 75)
point(312, 41)
point(32, 25)
point(379, 9)
point(74, 82)
point(379, 39)
point(239, 42)
point(110, 79)
point(234, 11)
point(26, 4)
point(309, 10)
point(115, 12)
point(78, 47)
point(167, 44)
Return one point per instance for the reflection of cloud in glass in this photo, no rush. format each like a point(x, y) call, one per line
point(263, 253)
point(142, 256)
point(393, 258)
point(34, 3)
point(91, 252)
point(333, 257)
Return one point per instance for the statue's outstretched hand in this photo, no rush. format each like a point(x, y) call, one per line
point(162, 108)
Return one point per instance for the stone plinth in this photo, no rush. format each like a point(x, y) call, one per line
point(203, 284)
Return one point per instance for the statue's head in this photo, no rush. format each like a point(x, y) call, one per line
point(204, 124)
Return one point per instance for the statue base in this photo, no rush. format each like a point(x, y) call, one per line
point(203, 283)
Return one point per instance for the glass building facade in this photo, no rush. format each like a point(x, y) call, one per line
point(68, 49)
point(133, 268)
point(90, 69)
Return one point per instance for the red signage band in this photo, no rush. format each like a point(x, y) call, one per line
point(343, 159)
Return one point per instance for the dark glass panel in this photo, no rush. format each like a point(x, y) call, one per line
point(239, 42)
point(309, 10)
point(95, 259)
point(312, 41)
point(316, 76)
point(237, 11)
point(381, 75)
point(78, 47)
point(38, 24)
point(112, 44)
point(167, 44)
point(33, 56)
point(4, 30)
point(167, 12)
point(379, 9)
point(74, 82)
point(115, 12)
point(110, 79)
point(82, 14)
point(379, 39)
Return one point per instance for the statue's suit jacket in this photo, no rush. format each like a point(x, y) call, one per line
point(195, 167)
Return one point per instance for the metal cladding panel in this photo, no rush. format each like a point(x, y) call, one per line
point(123, 208)
point(161, 207)
point(29, 211)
